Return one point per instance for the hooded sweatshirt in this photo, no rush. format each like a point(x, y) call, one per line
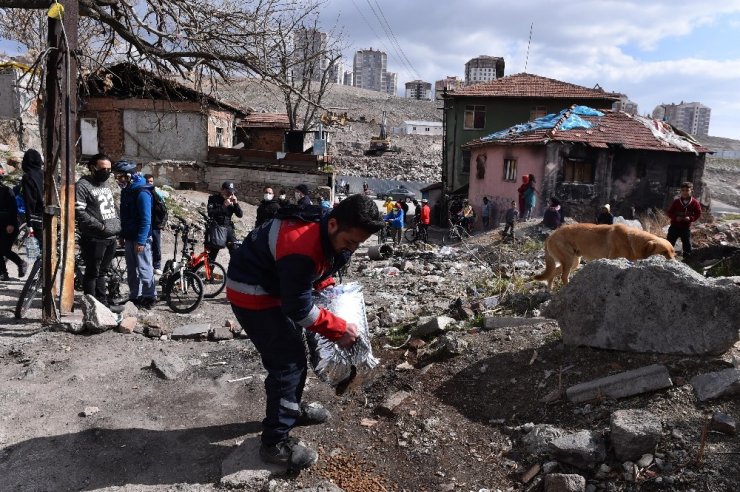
point(95, 209)
point(32, 184)
point(136, 210)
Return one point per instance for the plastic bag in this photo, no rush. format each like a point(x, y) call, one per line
point(332, 364)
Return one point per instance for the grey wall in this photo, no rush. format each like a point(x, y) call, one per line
point(150, 135)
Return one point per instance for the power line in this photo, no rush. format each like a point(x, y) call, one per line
point(529, 43)
point(413, 69)
point(388, 36)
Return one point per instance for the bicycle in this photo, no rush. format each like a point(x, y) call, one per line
point(385, 234)
point(455, 233)
point(416, 232)
point(30, 290)
point(117, 284)
point(212, 274)
point(182, 289)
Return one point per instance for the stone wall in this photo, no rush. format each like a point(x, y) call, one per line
point(249, 183)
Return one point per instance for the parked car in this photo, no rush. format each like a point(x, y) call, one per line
point(400, 193)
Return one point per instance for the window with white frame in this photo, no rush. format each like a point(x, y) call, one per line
point(509, 170)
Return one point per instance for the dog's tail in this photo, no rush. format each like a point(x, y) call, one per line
point(550, 265)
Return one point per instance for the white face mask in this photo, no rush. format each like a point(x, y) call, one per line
point(298, 195)
point(282, 197)
point(269, 196)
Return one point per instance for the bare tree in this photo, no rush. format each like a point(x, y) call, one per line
point(221, 38)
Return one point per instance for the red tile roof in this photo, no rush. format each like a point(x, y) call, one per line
point(614, 128)
point(265, 120)
point(528, 85)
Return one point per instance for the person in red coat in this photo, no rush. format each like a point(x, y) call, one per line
point(684, 210)
point(521, 190)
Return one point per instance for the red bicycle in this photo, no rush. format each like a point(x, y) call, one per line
point(211, 273)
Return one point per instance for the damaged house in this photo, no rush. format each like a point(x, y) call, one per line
point(130, 113)
point(587, 158)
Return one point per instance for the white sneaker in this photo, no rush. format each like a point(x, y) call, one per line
point(157, 271)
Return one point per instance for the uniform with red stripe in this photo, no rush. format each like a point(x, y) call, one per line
point(279, 264)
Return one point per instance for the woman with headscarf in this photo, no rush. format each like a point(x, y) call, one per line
point(521, 190)
point(32, 185)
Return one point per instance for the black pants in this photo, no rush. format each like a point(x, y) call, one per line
point(98, 255)
point(684, 233)
point(157, 248)
point(509, 229)
point(6, 250)
point(280, 344)
point(213, 250)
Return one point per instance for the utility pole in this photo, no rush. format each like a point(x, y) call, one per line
point(59, 157)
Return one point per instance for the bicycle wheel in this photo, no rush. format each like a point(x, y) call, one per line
point(29, 291)
point(183, 291)
point(22, 235)
point(382, 236)
point(411, 234)
point(118, 292)
point(215, 284)
point(451, 236)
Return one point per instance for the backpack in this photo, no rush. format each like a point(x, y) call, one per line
point(159, 210)
point(306, 213)
point(20, 204)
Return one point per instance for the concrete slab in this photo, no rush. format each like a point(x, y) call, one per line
point(624, 384)
point(244, 469)
point(496, 322)
point(195, 330)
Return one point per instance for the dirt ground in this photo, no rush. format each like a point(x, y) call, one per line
point(458, 430)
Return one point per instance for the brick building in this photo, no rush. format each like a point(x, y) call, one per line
point(263, 131)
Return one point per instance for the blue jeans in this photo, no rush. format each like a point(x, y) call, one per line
point(280, 344)
point(139, 270)
point(157, 248)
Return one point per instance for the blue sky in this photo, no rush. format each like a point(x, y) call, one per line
point(655, 51)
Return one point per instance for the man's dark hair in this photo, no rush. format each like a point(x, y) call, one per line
point(93, 161)
point(147, 176)
point(357, 211)
point(687, 184)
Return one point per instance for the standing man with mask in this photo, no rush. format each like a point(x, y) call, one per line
point(221, 206)
point(301, 196)
point(267, 208)
point(136, 230)
point(270, 282)
point(98, 225)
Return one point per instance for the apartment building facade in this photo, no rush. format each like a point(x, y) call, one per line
point(484, 68)
point(418, 89)
point(450, 83)
point(692, 117)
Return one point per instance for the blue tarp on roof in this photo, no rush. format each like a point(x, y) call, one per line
point(572, 121)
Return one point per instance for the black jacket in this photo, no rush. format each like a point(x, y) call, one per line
point(266, 211)
point(8, 209)
point(32, 184)
point(220, 212)
point(95, 210)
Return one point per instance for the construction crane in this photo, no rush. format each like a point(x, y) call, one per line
point(380, 144)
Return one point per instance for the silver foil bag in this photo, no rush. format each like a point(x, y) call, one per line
point(332, 364)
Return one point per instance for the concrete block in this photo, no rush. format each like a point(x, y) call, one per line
point(389, 406)
point(559, 482)
point(634, 433)
point(168, 366)
point(624, 384)
point(582, 449)
point(195, 330)
point(716, 384)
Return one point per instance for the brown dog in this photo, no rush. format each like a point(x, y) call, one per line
point(569, 243)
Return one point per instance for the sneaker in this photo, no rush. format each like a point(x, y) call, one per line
point(312, 414)
point(157, 271)
point(289, 452)
point(22, 269)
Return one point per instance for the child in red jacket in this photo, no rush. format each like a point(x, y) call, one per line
point(684, 210)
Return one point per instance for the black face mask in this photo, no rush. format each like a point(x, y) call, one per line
point(101, 175)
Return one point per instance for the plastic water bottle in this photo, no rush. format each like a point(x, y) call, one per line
point(32, 247)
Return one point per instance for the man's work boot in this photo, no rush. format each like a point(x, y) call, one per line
point(289, 452)
point(312, 414)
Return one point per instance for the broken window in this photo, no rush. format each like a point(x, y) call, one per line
point(475, 117)
point(466, 162)
point(679, 174)
point(579, 171)
point(537, 112)
point(509, 169)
